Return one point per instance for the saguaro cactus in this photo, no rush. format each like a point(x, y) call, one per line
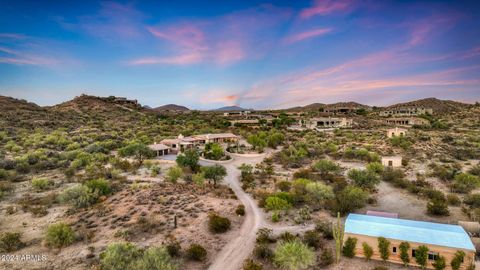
point(338, 232)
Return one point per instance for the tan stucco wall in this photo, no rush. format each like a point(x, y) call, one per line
point(396, 161)
point(446, 252)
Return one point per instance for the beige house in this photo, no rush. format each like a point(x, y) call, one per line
point(396, 132)
point(406, 111)
point(408, 121)
point(329, 122)
point(182, 143)
point(441, 239)
point(160, 149)
point(392, 161)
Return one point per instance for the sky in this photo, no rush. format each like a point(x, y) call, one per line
point(255, 54)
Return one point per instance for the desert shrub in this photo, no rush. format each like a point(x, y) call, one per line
point(155, 170)
point(318, 193)
point(375, 167)
point(400, 141)
point(6, 186)
point(325, 228)
point(475, 170)
point(264, 235)
point(473, 200)
point(240, 210)
point(392, 175)
point(364, 178)
point(218, 224)
point(174, 173)
point(367, 251)
point(59, 235)
point(421, 256)
point(350, 199)
point(404, 247)
point(40, 184)
point(313, 239)
point(119, 256)
point(251, 265)
point(3, 174)
point(284, 186)
point(293, 255)
point(196, 252)
point(384, 248)
point(275, 203)
point(326, 167)
point(440, 263)
point(457, 260)
point(262, 251)
point(198, 179)
point(287, 237)
point(453, 199)
point(155, 258)
point(99, 186)
point(174, 249)
point(326, 258)
point(10, 242)
point(79, 196)
point(437, 207)
point(465, 182)
point(349, 247)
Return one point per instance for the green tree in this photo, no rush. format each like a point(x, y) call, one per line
point(349, 247)
point(375, 167)
point(99, 186)
point(277, 204)
point(367, 251)
point(318, 193)
point(364, 178)
point(404, 248)
point(138, 151)
point(440, 263)
point(326, 167)
point(215, 173)
point(189, 159)
point(293, 255)
point(349, 199)
point(457, 260)
point(384, 248)
point(421, 256)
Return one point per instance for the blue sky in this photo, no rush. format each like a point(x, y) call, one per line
point(256, 54)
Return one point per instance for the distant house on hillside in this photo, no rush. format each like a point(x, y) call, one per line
point(441, 239)
point(406, 111)
point(182, 143)
point(160, 149)
point(392, 161)
point(328, 122)
point(408, 121)
point(396, 132)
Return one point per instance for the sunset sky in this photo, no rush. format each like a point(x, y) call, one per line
point(256, 54)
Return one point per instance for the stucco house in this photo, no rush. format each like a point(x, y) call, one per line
point(160, 149)
point(441, 239)
point(408, 121)
point(329, 122)
point(182, 143)
point(392, 161)
point(396, 132)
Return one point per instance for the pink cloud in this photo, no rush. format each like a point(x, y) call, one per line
point(187, 35)
point(17, 57)
point(307, 34)
point(185, 59)
point(424, 30)
point(228, 52)
point(325, 7)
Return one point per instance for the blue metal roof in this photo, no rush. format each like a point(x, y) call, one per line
point(453, 236)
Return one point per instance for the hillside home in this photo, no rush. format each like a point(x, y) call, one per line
point(408, 121)
point(160, 149)
point(406, 111)
point(182, 143)
point(392, 161)
point(396, 132)
point(329, 122)
point(441, 239)
point(245, 122)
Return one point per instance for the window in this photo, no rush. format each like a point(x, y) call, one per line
point(413, 253)
point(390, 163)
point(432, 256)
point(394, 249)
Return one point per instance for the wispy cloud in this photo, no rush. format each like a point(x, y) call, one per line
point(307, 35)
point(326, 7)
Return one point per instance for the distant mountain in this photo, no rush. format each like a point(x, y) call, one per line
point(231, 108)
point(318, 106)
point(89, 104)
point(171, 107)
point(439, 106)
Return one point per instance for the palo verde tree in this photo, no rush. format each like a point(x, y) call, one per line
point(189, 159)
point(139, 151)
point(215, 173)
point(384, 248)
point(404, 247)
point(421, 256)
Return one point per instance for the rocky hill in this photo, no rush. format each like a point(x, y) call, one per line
point(231, 108)
point(171, 108)
point(439, 106)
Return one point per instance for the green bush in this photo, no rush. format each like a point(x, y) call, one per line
point(326, 258)
point(457, 260)
point(349, 247)
point(473, 200)
point(240, 210)
point(251, 265)
point(40, 184)
point(367, 251)
point(174, 173)
point(218, 224)
point(155, 258)
point(465, 182)
point(364, 178)
point(453, 199)
point(440, 263)
point(10, 242)
point(99, 186)
point(174, 249)
point(293, 255)
point(79, 196)
point(437, 207)
point(263, 252)
point(119, 256)
point(421, 256)
point(59, 235)
point(325, 228)
point(284, 186)
point(275, 203)
point(375, 167)
point(350, 199)
point(404, 248)
point(313, 239)
point(384, 248)
point(196, 252)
